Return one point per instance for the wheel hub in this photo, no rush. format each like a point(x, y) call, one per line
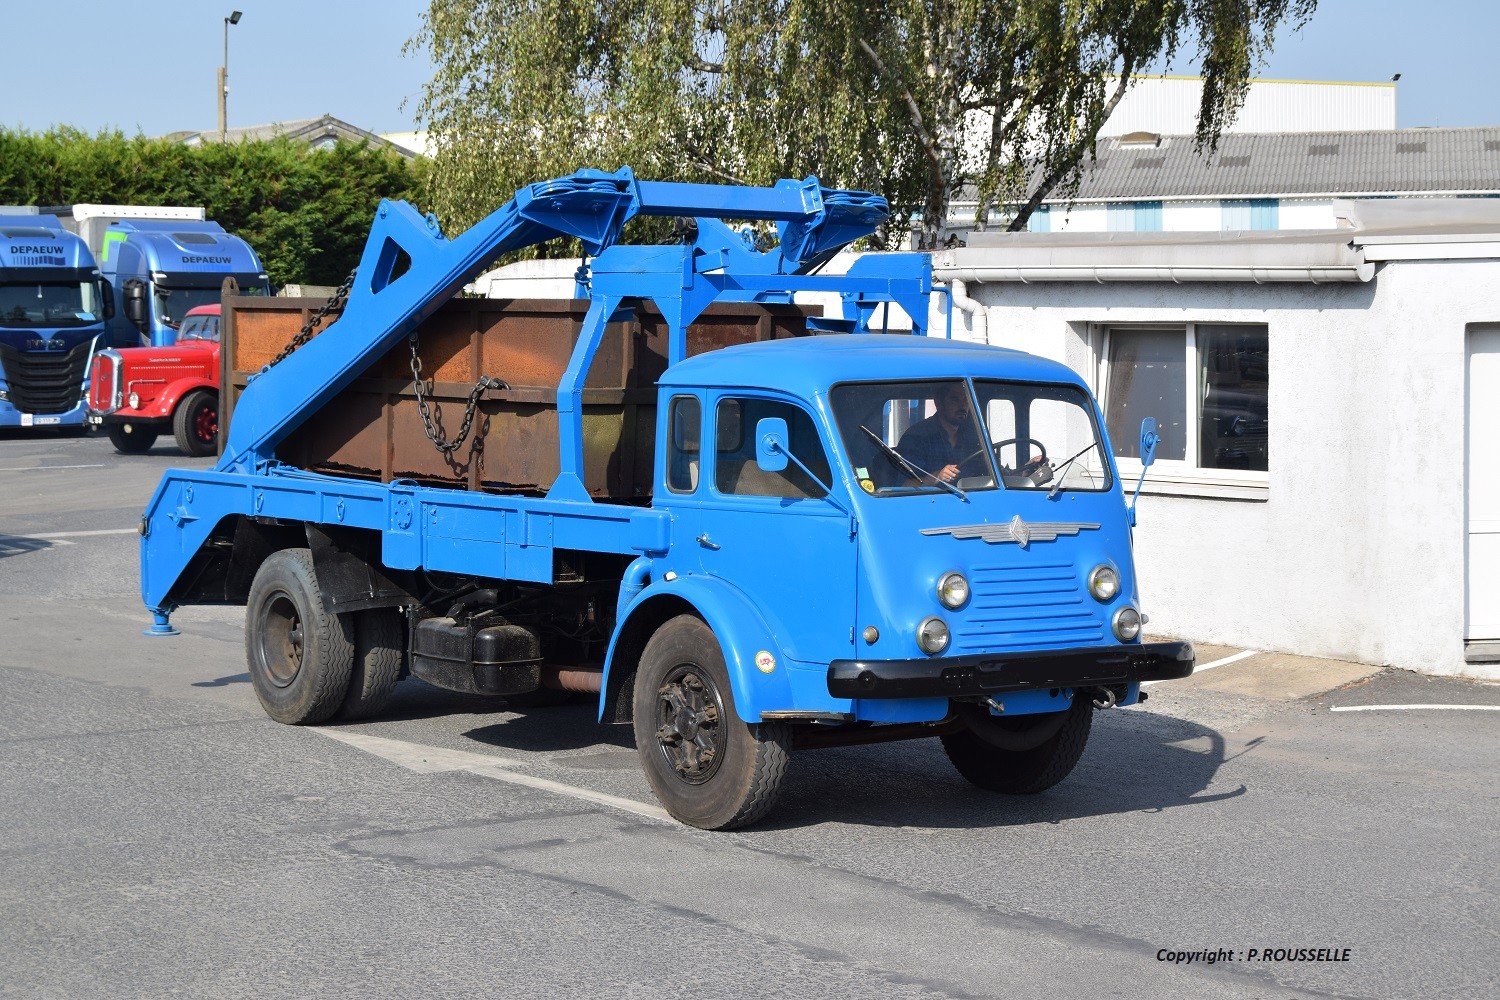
point(206, 424)
point(688, 715)
point(282, 641)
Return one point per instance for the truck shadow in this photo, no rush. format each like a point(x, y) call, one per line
point(561, 727)
point(1134, 762)
point(572, 726)
point(14, 545)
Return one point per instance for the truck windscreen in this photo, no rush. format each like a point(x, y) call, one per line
point(925, 437)
point(35, 304)
point(173, 302)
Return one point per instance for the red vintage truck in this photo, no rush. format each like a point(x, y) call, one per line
point(139, 393)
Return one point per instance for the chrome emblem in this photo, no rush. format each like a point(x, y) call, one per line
point(1019, 531)
point(1016, 530)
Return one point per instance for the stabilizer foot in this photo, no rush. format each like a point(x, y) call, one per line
point(161, 625)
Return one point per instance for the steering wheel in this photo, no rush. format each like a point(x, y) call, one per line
point(1027, 467)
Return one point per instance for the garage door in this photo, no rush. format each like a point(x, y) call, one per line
point(1483, 618)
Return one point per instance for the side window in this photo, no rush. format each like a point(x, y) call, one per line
point(683, 448)
point(735, 471)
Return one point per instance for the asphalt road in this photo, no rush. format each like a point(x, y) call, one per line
point(160, 836)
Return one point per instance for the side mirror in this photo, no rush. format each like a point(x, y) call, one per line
point(135, 304)
point(770, 444)
point(1149, 441)
point(106, 298)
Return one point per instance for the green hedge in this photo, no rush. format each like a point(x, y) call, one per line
point(306, 212)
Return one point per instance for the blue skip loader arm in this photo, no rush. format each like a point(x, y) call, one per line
point(387, 303)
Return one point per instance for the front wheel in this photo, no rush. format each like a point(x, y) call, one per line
point(708, 768)
point(131, 439)
point(196, 423)
point(1023, 755)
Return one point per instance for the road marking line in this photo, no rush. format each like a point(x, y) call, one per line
point(44, 468)
point(1411, 708)
point(85, 534)
point(1232, 658)
point(434, 760)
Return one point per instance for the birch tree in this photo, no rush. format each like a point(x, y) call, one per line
point(923, 101)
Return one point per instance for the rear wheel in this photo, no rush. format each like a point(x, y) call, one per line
point(708, 768)
point(300, 654)
point(196, 423)
point(131, 439)
point(378, 650)
point(988, 752)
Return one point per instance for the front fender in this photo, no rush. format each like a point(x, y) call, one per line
point(741, 630)
point(175, 391)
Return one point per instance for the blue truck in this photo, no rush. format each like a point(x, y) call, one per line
point(53, 310)
point(797, 576)
point(161, 262)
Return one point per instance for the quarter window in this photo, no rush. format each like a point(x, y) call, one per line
point(683, 448)
point(1206, 385)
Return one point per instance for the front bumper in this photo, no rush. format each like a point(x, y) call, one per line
point(994, 673)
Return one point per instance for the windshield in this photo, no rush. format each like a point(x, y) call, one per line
point(172, 304)
point(60, 303)
point(926, 437)
point(199, 328)
point(1044, 437)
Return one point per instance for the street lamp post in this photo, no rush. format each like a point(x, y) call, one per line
point(233, 18)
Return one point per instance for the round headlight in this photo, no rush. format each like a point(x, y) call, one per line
point(953, 590)
point(932, 635)
point(1104, 582)
point(135, 401)
point(1127, 624)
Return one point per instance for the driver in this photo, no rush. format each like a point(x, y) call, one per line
point(945, 443)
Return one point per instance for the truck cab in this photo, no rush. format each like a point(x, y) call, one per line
point(140, 393)
point(53, 309)
point(161, 262)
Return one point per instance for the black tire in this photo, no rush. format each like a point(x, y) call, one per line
point(196, 423)
point(131, 439)
point(300, 654)
point(684, 706)
point(378, 652)
point(1022, 772)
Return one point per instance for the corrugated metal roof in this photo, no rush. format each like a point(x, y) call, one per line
point(308, 130)
point(1313, 164)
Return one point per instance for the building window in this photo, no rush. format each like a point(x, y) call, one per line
point(1135, 217)
point(1040, 220)
point(1254, 213)
point(1206, 385)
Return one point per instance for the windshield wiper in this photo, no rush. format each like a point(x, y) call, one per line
point(912, 467)
point(1064, 468)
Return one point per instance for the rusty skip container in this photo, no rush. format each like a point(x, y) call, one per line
point(373, 429)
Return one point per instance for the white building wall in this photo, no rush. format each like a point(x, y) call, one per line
point(1358, 550)
point(1306, 213)
point(1168, 105)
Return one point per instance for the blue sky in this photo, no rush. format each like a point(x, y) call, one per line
point(150, 66)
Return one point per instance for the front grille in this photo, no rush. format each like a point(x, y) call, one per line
point(45, 381)
point(1032, 606)
point(104, 382)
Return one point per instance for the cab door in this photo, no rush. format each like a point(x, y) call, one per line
point(779, 537)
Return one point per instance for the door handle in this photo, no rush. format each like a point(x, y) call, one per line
point(704, 541)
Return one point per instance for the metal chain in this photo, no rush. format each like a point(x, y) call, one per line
point(433, 435)
point(335, 304)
